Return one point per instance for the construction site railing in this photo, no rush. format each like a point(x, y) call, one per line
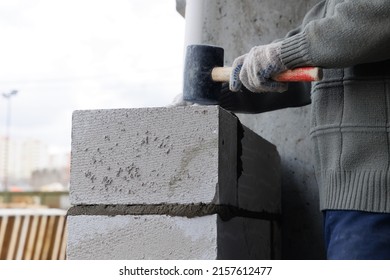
point(33, 234)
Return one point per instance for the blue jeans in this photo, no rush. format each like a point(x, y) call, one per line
point(356, 235)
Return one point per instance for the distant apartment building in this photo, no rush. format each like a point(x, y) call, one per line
point(27, 157)
point(34, 156)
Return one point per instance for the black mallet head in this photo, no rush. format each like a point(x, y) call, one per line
point(198, 86)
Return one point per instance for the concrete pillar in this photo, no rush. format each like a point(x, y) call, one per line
point(172, 183)
point(237, 26)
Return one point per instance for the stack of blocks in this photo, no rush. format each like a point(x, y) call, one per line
point(172, 183)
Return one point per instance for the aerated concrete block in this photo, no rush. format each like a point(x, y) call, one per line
point(184, 155)
point(154, 155)
point(164, 237)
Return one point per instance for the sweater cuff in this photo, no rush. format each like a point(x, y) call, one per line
point(294, 51)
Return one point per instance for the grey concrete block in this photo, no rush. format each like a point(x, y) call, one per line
point(165, 237)
point(171, 155)
point(259, 173)
point(154, 155)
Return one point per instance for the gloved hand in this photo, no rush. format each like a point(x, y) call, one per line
point(255, 70)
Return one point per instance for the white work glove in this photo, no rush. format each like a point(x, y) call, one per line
point(255, 69)
point(179, 101)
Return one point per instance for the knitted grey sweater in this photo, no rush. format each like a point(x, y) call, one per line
point(351, 105)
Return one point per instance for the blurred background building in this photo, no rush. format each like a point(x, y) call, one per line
point(32, 166)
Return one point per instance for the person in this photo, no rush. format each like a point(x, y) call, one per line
point(350, 115)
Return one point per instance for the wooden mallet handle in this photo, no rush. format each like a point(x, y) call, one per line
point(303, 74)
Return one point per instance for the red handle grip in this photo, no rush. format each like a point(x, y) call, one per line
point(303, 74)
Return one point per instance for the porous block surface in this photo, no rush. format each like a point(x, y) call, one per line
point(154, 155)
point(165, 237)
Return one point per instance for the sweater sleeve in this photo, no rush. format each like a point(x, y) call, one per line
point(357, 32)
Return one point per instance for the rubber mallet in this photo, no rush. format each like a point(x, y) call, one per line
point(204, 74)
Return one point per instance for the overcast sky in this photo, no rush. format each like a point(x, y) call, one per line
point(63, 55)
